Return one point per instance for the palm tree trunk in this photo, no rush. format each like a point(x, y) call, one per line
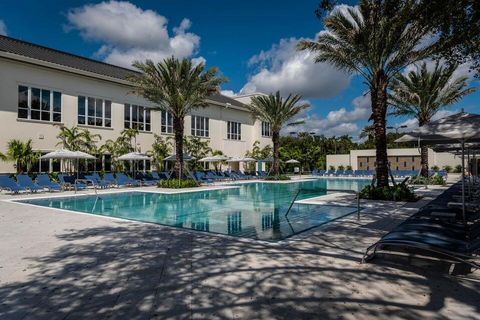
point(424, 159)
point(276, 152)
point(178, 124)
point(379, 108)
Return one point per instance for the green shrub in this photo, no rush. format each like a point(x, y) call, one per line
point(349, 167)
point(331, 168)
point(435, 168)
point(436, 180)
point(458, 169)
point(340, 167)
point(178, 184)
point(399, 192)
point(447, 168)
point(277, 178)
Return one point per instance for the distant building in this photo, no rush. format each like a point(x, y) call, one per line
point(399, 159)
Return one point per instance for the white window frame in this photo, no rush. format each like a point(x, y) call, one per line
point(200, 126)
point(29, 103)
point(166, 128)
point(266, 129)
point(135, 124)
point(95, 117)
point(234, 130)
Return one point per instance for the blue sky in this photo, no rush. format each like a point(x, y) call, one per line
point(252, 42)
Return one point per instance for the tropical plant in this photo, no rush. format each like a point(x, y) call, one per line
point(197, 148)
point(160, 150)
point(458, 169)
point(277, 111)
point(398, 192)
point(435, 168)
point(21, 153)
point(257, 153)
point(375, 39)
point(177, 183)
point(421, 93)
point(218, 164)
point(447, 168)
point(178, 87)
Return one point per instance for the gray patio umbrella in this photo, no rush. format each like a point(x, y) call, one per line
point(458, 128)
point(67, 155)
point(134, 157)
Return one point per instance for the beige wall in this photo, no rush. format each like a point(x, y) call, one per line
point(43, 134)
point(434, 158)
point(337, 160)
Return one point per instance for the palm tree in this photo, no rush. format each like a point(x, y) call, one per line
point(278, 112)
point(70, 138)
point(376, 40)
point(178, 87)
point(130, 137)
point(21, 153)
point(422, 93)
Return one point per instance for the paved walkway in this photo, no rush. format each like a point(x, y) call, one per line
point(58, 265)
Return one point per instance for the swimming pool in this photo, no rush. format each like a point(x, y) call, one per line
point(252, 210)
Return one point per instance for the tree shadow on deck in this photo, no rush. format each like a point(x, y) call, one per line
point(132, 271)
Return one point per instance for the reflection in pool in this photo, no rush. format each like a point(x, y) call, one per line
point(252, 210)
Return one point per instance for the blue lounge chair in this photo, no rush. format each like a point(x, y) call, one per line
point(26, 182)
point(7, 183)
point(124, 180)
point(70, 182)
point(44, 181)
point(97, 182)
point(145, 179)
point(110, 179)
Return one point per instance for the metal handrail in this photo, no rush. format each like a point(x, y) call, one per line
point(335, 190)
point(87, 181)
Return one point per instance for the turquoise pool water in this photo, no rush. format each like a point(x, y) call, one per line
point(253, 210)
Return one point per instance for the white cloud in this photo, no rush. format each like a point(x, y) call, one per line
point(3, 28)
point(290, 71)
point(338, 122)
point(228, 93)
point(129, 33)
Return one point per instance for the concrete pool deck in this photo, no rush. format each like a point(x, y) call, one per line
point(57, 265)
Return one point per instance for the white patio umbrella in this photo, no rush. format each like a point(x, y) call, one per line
point(458, 128)
point(242, 159)
point(67, 155)
point(216, 158)
point(292, 161)
point(173, 157)
point(134, 157)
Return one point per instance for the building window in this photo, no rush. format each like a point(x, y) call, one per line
point(94, 112)
point(167, 122)
point(266, 129)
point(39, 104)
point(413, 158)
point(234, 130)
point(200, 126)
point(137, 117)
point(405, 164)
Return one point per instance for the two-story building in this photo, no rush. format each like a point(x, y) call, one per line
point(42, 89)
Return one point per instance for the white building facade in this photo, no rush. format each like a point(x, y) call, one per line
point(42, 89)
point(399, 159)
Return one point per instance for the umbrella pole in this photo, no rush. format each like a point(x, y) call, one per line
point(463, 182)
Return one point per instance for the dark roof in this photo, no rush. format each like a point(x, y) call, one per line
point(34, 51)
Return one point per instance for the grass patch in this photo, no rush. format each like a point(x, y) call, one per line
point(177, 184)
